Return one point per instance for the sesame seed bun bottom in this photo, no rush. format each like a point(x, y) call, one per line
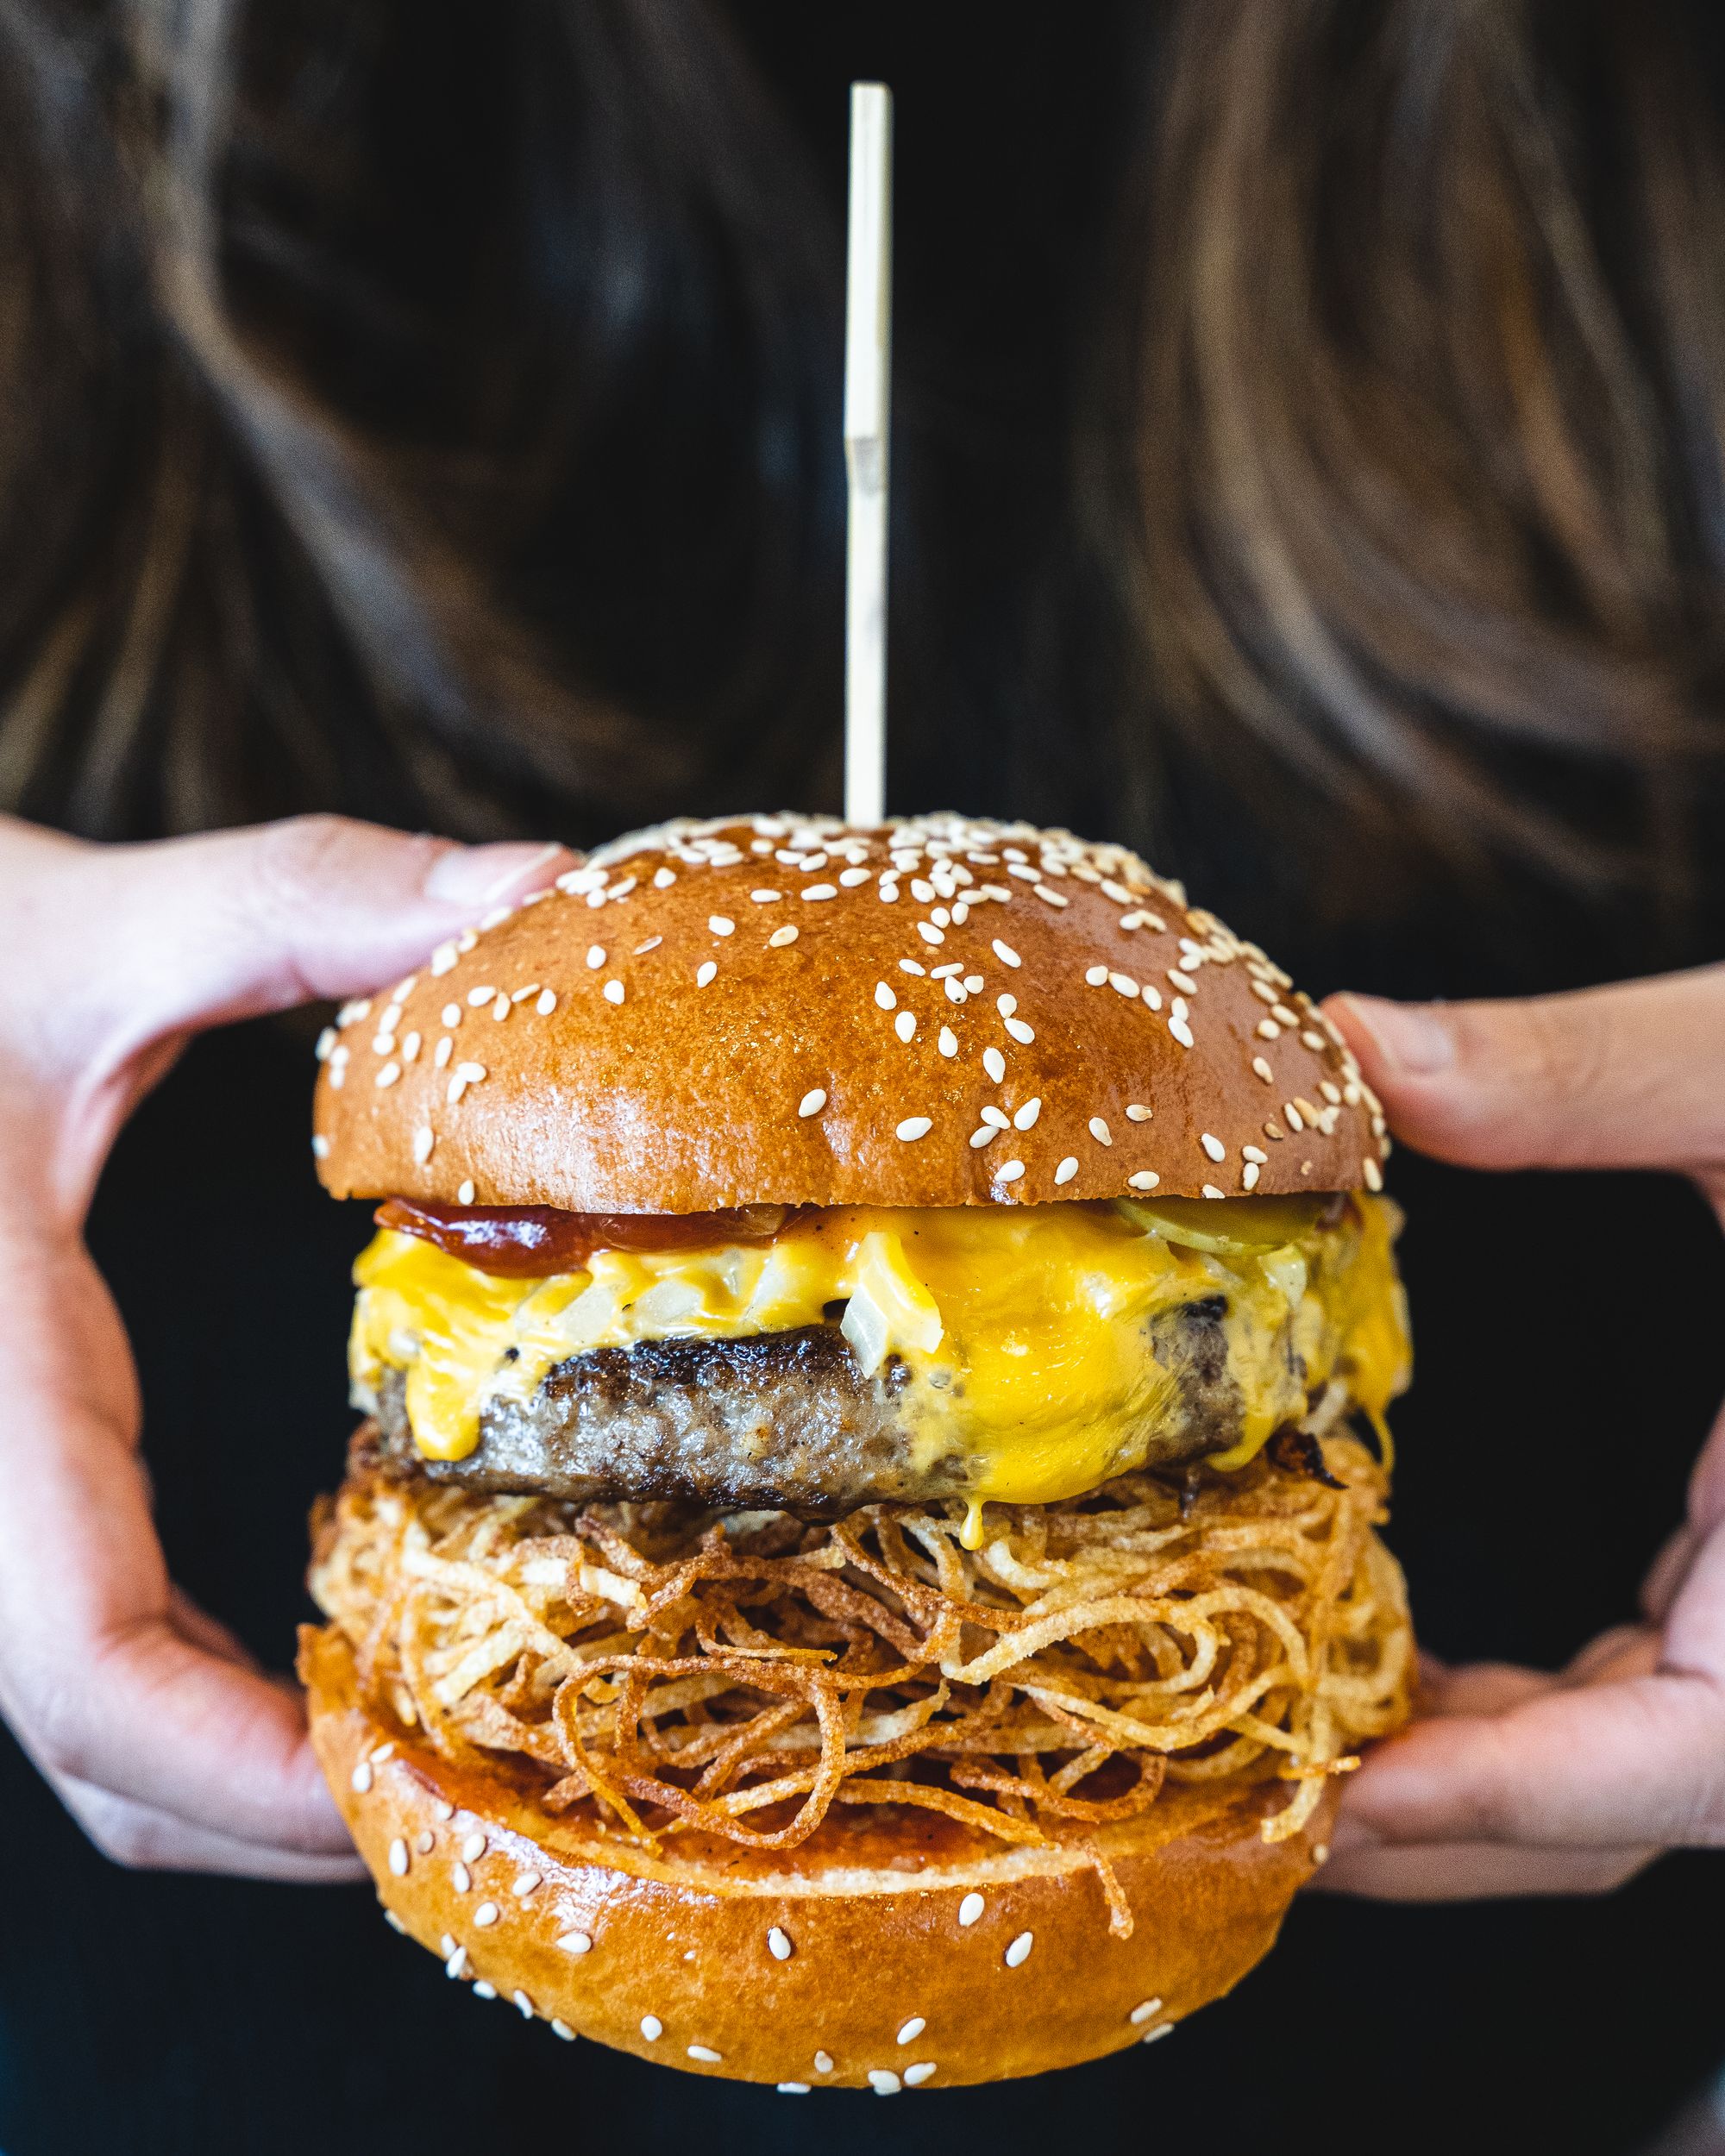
point(860, 1959)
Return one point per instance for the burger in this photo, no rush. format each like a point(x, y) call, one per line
point(860, 1567)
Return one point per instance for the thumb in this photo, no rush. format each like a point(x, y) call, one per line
point(1627, 1076)
point(146, 943)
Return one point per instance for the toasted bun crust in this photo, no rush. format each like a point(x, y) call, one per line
point(695, 1020)
point(681, 1966)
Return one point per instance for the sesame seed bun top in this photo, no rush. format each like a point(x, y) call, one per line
point(789, 1009)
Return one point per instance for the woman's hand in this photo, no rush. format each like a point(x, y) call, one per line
point(1519, 1782)
point(160, 1734)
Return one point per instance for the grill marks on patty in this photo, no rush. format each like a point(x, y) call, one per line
point(780, 1420)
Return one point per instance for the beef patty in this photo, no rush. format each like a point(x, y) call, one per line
point(780, 1419)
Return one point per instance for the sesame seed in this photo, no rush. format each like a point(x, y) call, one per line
point(1181, 1031)
point(1253, 1153)
point(1263, 1070)
point(820, 891)
point(387, 1076)
point(410, 1047)
point(424, 1140)
point(765, 898)
point(663, 878)
point(947, 1041)
point(477, 998)
point(812, 1102)
point(396, 1925)
point(944, 972)
point(884, 997)
point(1283, 1015)
point(1025, 1117)
point(1100, 1132)
point(779, 937)
point(852, 877)
point(1137, 1112)
point(1145, 1179)
point(575, 1942)
point(929, 933)
point(456, 1963)
point(1183, 980)
point(443, 958)
point(1373, 1173)
point(641, 950)
point(1009, 1171)
point(1315, 1041)
point(1006, 954)
point(921, 891)
point(486, 1914)
point(547, 1002)
point(1123, 984)
point(1268, 1029)
point(994, 1063)
point(905, 1025)
point(1162, 2028)
point(973, 984)
point(980, 1136)
point(425, 1842)
point(910, 965)
point(326, 1040)
point(1211, 1191)
point(1006, 1004)
point(792, 2087)
point(1152, 995)
point(528, 1883)
point(500, 1009)
point(474, 1847)
point(1020, 1032)
point(1096, 976)
point(915, 2076)
point(563, 2029)
point(361, 1776)
point(1019, 1952)
point(320, 1146)
point(595, 956)
point(823, 2062)
point(1332, 1092)
point(1051, 898)
point(464, 1196)
point(525, 2005)
point(1263, 992)
point(462, 1877)
point(911, 2029)
point(882, 2083)
point(955, 991)
point(1212, 1146)
point(1067, 1169)
point(913, 1127)
point(452, 1015)
point(1292, 1117)
point(995, 1119)
point(779, 1945)
point(1249, 1175)
point(652, 2027)
point(1142, 2013)
point(398, 1858)
point(707, 2055)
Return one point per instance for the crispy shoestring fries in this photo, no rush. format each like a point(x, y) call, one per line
point(665, 1670)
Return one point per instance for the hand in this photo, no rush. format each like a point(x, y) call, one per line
point(1515, 1782)
point(158, 1731)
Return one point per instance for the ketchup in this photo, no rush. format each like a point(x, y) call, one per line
point(528, 1242)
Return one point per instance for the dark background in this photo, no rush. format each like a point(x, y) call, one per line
point(1567, 1331)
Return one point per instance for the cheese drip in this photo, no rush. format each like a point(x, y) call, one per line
point(1025, 1329)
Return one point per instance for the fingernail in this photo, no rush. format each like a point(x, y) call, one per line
point(1410, 1037)
point(481, 876)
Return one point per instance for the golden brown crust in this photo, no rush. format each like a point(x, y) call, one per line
point(682, 1942)
point(685, 1094)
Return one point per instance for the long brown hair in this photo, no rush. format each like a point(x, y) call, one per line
point(444, 427)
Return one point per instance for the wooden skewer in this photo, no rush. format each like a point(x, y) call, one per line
point(868, 412)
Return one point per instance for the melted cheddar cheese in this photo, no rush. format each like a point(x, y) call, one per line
point(1025, 1330)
